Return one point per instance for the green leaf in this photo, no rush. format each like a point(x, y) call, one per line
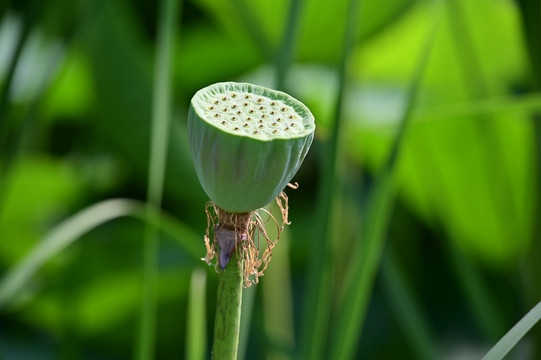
point(513, 336)
point(71, 229)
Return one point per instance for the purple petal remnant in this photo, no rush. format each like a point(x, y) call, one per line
point(227, 243)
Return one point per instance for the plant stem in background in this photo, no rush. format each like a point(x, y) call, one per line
point(284, 58)
point(406, 310)
point(530, 12)
point(377, 215)
point(277, 297)
point(228, 310)
point(484, 308)
point(318, 298)
point(253, 28)
point(156, 172)
point(196, 331)
point(248, 300)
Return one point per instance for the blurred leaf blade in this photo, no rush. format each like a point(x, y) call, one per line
point(408, 313)
point(376, 219)
point(508, 342)
point(72, 229)
point(196, 334)
point(318, 301)
point(57, 239)
point(161, 114)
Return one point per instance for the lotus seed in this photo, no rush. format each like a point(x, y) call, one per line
point(224, 122)
point(273, 112)
point(216, 102)
point(246, 96)
point(233, 95)
point(239, 112)
point(234, 106)
point(236, 128)
point(283, 109)
point(273, 103)
point(248, 119)
point(261, 126)
point(245, 104)
point(224, 98)
point(261, 108)
point(216, 115)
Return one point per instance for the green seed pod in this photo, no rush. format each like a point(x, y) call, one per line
point(247, 143)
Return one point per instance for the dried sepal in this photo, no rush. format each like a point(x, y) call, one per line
point(249, 229)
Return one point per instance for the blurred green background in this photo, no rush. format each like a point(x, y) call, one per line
point(460, 258)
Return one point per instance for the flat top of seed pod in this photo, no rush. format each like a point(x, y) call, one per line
point(253, 111)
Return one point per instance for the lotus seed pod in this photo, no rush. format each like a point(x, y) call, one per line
point(247, 143)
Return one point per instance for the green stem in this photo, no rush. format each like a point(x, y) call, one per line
point(285, 55)
point(318, 301)
point(161, 103)
point(228, 310)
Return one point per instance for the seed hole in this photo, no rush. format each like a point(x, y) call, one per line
point(239, 112)
point(211, 108)
point(248, 119)
point(286, 128)
point(224, 98)
point(261, 108)
point(255, 132)
point(291, 117)
point(260, 120)
point(273, 112)
point(264, 116)
point(261, 126)
point(245, 104)
point(234, 118)
point(233, 95)
point(245, 125)
point(292, 124)
point(225, 109)
point(234, 106)
point(246, 96)
point(216, 115)
point(224, 122)
point(260, 100)
point(274, 124)
point(283, 109)
point(273, 103)
point(236, 128)
point(274, 131)
point(279, 119)
point(216, 102)
point(251, 111)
